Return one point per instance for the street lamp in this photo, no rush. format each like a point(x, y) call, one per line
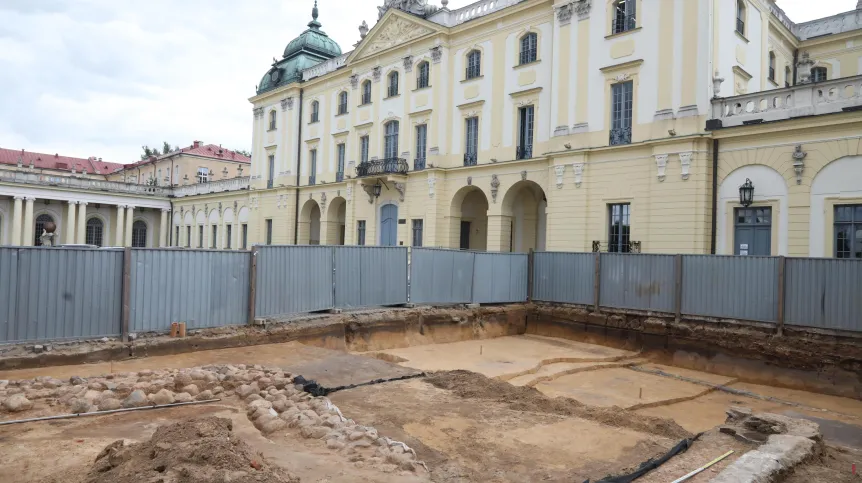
point(376, 189)
point(746, 193)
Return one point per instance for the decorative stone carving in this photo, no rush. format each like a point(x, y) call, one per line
point(258, 112)
point(469, 181)
point(495, 187)
point(799, 162)
point(685, 164)
point(523, 175)
point(354, 82)
point(408, 63)
point(716, 84)
point(622, 77)
point(416, 7)
point(564, 14)
point(349, 193)
point(582, 8)
point(560, 170)
point(369, 190)
point(284, 103)
point(436, 54)
point(395, 31)
point(804, 68)
point(322, 201)
point(431, 185)
point(400, 188)
point(219, 208)
point(376, 74)
point(363, 29)
point(661, 165)
point(579, 173)
point(235, 204)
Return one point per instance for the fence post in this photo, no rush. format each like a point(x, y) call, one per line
point(530, 280)
point(677, 260)
point(252, 284)
point(597, 282)
point(127, 292)
point(781, 279)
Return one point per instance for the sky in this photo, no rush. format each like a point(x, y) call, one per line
point(104, 77)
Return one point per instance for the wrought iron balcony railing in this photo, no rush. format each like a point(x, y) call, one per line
point(524, 152)
point(617, 247)
point(418, 164)
point(625, 23)
point(471, 159)
point(382, 166)
point(621, 136)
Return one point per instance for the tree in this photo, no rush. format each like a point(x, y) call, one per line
point(166, 149)
point(148, 152)
point(243, 152)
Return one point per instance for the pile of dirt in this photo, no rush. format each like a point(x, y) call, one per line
point(196, 451)
point(834, 465)
point(471, 385)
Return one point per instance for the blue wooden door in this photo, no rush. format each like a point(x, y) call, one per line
point(389, 226)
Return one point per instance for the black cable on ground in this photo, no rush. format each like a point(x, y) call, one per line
point(651, 464)
point(312, 387)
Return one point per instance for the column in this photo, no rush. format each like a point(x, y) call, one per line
point(28, 229)
point(130, 215)
point(16, 221)
point(163, 229)
point(70, 223)
point(118, 232)
point(81, 237)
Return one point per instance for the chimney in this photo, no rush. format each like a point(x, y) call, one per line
point(197, 144)
point(56, 155)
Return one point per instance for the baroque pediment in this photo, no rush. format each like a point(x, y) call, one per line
point(395, 30)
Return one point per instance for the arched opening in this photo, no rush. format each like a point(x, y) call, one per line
point(761, 228)
point(390, 140)
point(529, 48)
point(139, 234)
point(315, 111)
point(95, 231)
point(524, 209)
point(309, 223)
point(41, 220)
point(393, 84)
point(468, 223)
point(336, 221)
point(388, 225)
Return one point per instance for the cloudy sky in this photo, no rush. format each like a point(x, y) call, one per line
point(103, 77)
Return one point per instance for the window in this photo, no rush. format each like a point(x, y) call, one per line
point(94, 231)
point(176, 242)
point(312, 167)
point(363, 149)
point(342, 103)
point(474, 64)
point(315, 111)
point(139, 234)
point(525, 133)
point(772, 66)
point(269, 231)
point(360, 232)
point(471, 149)
point(188, 237)
point(621, 113)
point(619, 231)
point(40, 227)
point(740, 16)
point(339, 173)
point(848, 231)
point(270, 174)
point(624, 16)
point(203, 175)
point(272, 118)
point(421, 146)
point(787, 76)
point(393, 84)
point(423, 75)
point(819, 74)
point(229, 234)
point(176, 179)
point(214, 237)
point(200, 236)
point(391, 140)
point(366, 92)
point(244, 236)
point(417, 233)
point(529, 44)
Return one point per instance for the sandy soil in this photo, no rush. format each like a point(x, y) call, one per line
point(834, 466)
point(708, 447)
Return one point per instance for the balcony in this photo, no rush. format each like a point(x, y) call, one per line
point(471, 159)
point(233, 184)
point(418, 164)
point(524, 152)
point(82, 183)
point(624, 23)
point(828, 97)
point(625, 247)
point(382, 167)
point(621, 136)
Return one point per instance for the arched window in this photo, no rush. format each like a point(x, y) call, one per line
point(272, 117)
point(139, 234)
point(740, 16)
point(625, 16)
point(772, 66)
point(529, 44)
point(391, 140)
point(393, 84)
point(40, 227)
point(423, 75)
point(95, 227)
point(474, 64)
point(366, 92)
point(315, 111)
point(819, 74)
point(342, 102)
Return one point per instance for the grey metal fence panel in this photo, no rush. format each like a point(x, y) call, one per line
point(370, 276)
point(564, 277)
point(293, 279)
point(641, 282)
point(499, 278)
point(744, 288)
point(823, 293)
point(54, 294)
point(203, 288)
point(441, 276)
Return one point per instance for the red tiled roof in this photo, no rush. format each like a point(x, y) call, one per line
point(198, 149)
point(57, 162)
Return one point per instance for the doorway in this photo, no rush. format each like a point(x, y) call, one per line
point(753, 231)
point(389, 226)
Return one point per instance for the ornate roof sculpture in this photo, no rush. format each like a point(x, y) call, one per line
point(420, 8)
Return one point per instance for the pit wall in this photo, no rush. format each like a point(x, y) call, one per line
point(829, 363)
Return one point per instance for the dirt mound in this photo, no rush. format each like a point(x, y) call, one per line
point(196, 451)
point(471, 385)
